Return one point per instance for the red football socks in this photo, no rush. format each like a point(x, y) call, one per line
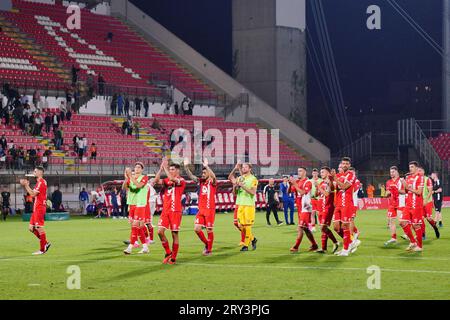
point(408, 232)
point(419, 236)
point(324, 240)
point(210, 240)
point(202, 237)
point(134, 234)
point(150, 232)
point(347, 241)
point(142, 236)
point(165, 245)
point(43, 241)
point(175, 247)
point(36, 233)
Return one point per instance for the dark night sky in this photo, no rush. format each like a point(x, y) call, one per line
point(367, 61)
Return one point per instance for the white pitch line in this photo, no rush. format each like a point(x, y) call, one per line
point(273, 266)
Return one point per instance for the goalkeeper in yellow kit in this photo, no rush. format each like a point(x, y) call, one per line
point(245, 200)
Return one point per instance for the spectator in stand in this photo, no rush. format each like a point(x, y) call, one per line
point(84, 200)
point(137, 103)
point(191, 108)
point(69, 115)
point(55, 122)
point(69, 98)
point(120, 104)
point(93, 152)
point(46, 157)
point(185, 106)
point(3, 142)
point(32, 157)
point(156, 125)
point(177, 108)
point(36, 98)
point(114, 104)
point(58, 139)
point(167, 109)
point(48, 122)
point(136, 129)
point(127, 106)
point(74, 74)
point(57, 199)
point(38, 121)
point(62, 112)
point(75, 143)
point(80, 148)
point(101, 84)
point(85, 144)
point(2, 158)
point(109, 36)
point(146, 107)
point(90, 84)
point(20, 158)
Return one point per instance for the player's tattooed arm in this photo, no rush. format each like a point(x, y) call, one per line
point(188, 171)
point(296, 187)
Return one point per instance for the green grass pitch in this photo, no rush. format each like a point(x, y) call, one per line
point(270, 272)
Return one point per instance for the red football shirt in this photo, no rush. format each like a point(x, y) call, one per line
point(172, 195)
point(413, 200)
point(304, 185)
point(41, 198)
point(207, 195)
point(394, 186)
point(326, 201)
point(344, 198)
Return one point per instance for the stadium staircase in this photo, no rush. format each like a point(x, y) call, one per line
point(412, 138)
point(255, 110)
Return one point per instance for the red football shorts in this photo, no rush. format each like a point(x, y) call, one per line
point(148, 215)
point(315, 204)
point(38, 216)
point(304, 219)
point(413, 215)
point(206, 217)
point(355, 209)
point(170, 220)
point(392, 212)
point(428, 210)
point(138, 213)
point(326, 216)
point(343, 214)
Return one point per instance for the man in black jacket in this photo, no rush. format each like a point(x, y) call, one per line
point(272, 202)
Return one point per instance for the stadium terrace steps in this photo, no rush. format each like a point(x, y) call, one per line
point(88, 49)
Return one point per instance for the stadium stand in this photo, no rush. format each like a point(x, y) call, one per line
point(87, 49)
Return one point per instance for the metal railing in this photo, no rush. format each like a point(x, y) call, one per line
point(359, 150)
point(432, 128)
point(411, 135)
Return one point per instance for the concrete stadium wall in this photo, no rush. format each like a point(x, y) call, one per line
point(258, 111)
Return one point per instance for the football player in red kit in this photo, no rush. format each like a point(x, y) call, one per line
point(39, 193)
point(206, 204)
point(394, 191)
point(170, 218)
point(325, 190)
point(413, 212)
point(344, 209)
point(302, 187)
